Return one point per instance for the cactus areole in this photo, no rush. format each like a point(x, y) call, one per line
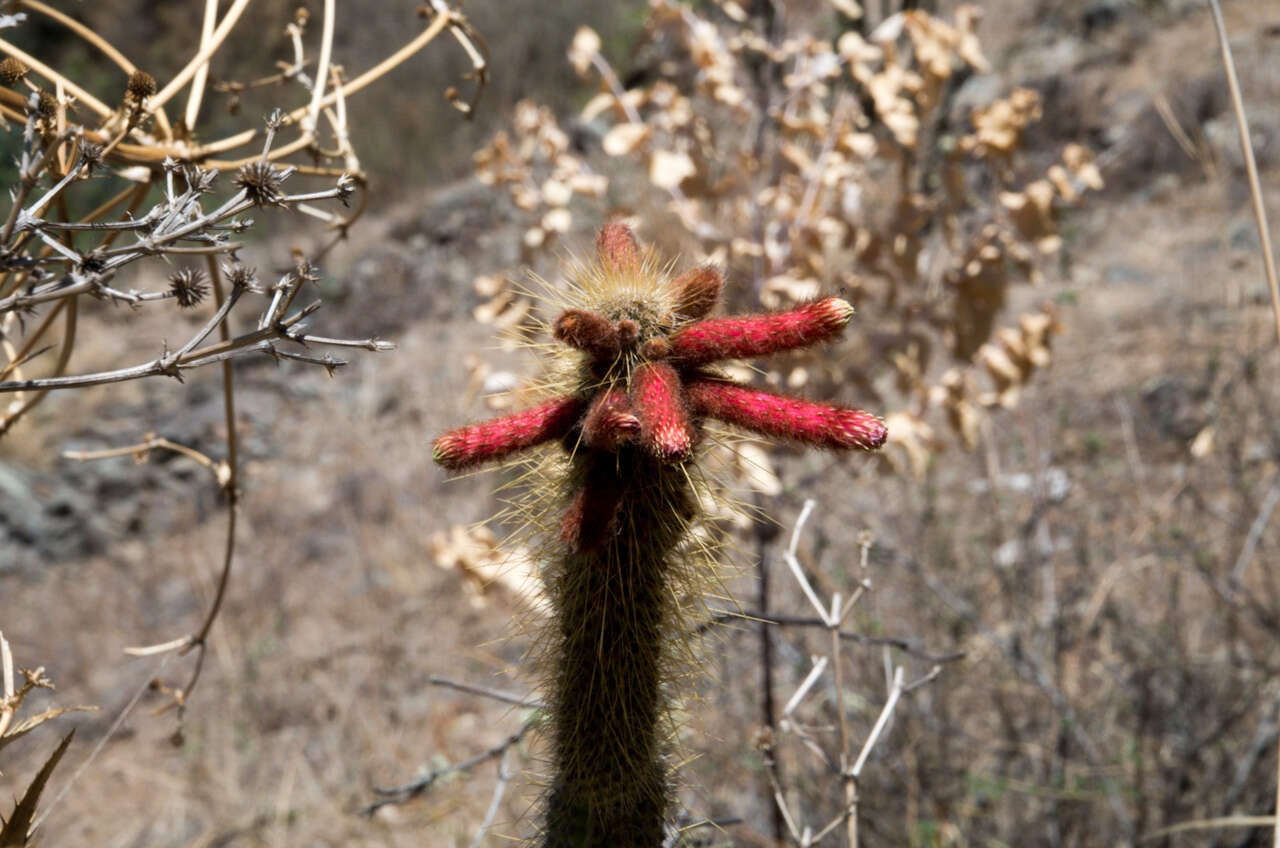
point(629, 421)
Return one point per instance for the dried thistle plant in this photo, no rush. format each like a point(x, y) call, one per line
point(807, 162)
point(619, 498)
point(54, 251)
point(181, 199)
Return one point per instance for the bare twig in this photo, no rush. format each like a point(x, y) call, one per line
point(794, 564)
point(499, 789)
point(152, 442)
point(819, 666)
point(472, 689)
point(901, 643)
point(1269, 501)
point(230, 486)
point(1210, 824)
point(409, 791)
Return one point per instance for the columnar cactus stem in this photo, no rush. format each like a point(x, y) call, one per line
point(697, 292)
point(501, 437)
point(665, 431)
point(631, 420)
point(609, 422)
point(612, 613)
point(784, 417)
point(589, 332)
point(616, 246)
point(760, 335)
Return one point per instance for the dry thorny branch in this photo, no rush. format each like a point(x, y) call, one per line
point(847, 768)
point(173, 194)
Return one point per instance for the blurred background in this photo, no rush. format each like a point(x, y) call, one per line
point(1074, 519)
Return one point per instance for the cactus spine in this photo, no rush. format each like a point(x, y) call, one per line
point(630, 419)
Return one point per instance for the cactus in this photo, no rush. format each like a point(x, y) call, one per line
point(637, 396)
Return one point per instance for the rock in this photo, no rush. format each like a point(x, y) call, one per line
point(46, 518)
point(1169, 406)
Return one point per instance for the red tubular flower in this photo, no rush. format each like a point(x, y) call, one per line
point(609, 422)
point(760, 335)
point(501, 437)
point(785, 417)
point(657, 400)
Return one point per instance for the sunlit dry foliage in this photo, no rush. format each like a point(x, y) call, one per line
point(805, 164)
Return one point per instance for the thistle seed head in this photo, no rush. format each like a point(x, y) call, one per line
point(46, 105)
point(12, 70)
point(188, 286)
point(141, 85)
point(261, 181)
point(93, 263)
point(242, 276)
point(91, 155)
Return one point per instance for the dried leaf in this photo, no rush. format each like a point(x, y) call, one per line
point(848, 8)
point(962, 415)
point(785, 290)
point(534, 237)
point(488, 285)
point(589, 185)
point(755, 469)
point(860, 144)
point(1062, 181)
point(854, 48)
point(624, 138)
point(911, 437)
point(1079, 160)
point(558, 220)
point(30, 723)
point(475, 553)
point(17, 828)
point(1202, 445)
point(967, 46)
point(667, 170)
point(585, 47)
point(556, 193)
point(999, 126)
